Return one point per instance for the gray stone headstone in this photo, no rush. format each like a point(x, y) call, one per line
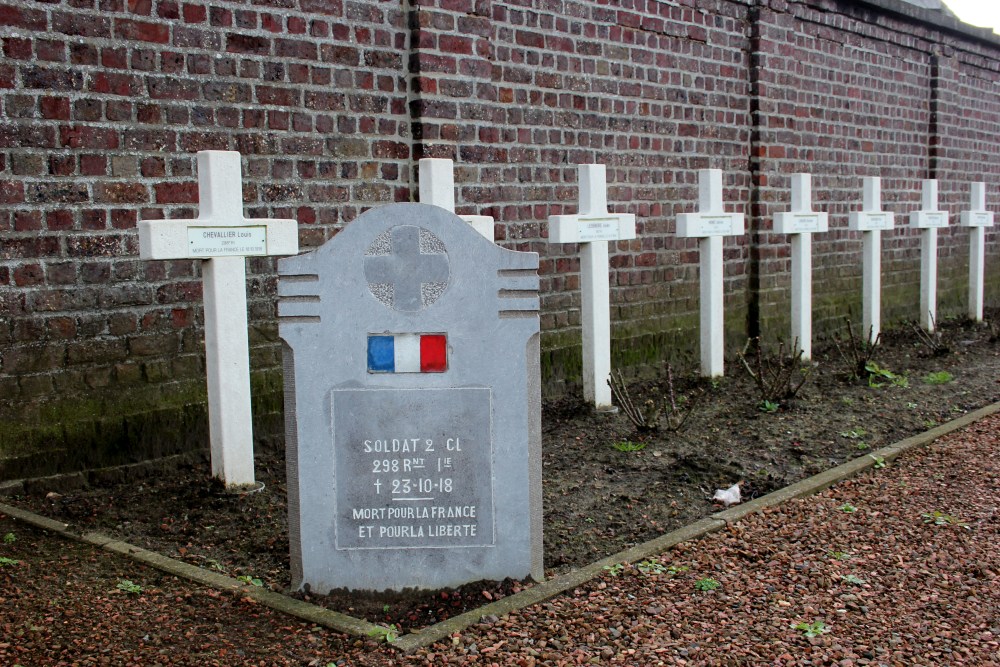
point(412, 406)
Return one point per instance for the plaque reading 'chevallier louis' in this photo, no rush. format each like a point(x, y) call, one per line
point(412, 405)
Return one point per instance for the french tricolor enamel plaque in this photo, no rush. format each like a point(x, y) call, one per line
point(407, 353)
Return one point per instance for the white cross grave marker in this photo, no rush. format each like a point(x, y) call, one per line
point(224, 239)
point(709, 225)
point(437, 187)
point(593, 227)
point(977, 220)
point(801, 222)
point(871, 220)
point(928, 220)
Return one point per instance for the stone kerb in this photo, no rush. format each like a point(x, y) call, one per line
point(412, 405)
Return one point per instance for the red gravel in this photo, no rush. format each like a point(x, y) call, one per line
point(911, 576)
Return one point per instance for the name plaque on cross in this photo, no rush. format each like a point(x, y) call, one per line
point(709, 225)
point(593, 227)
point(223, 238)
point(211, 242)
point(977, 219)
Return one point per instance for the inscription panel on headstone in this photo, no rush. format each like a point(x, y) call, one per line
point(416, 468)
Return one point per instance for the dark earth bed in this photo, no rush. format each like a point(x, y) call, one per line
point(598, 499)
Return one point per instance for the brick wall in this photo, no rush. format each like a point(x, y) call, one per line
point(103, 104)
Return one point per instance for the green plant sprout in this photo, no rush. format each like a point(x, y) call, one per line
point(938, 377)
point(247, 579)
point(5, 562)
point(9, 538)
point(651, 567)
point(848, 507)
point(128, 586)
point(814, 629)
point(878, 375)
point(769, 407)
point(674, 570)
point(388, 634)
point(840, 555)
point(879, 460)
point(939, 518)
point(862, 446)
point(629, 446)
point(616, 569)
point(854, 433)
point(852, 579)
point(707, 584)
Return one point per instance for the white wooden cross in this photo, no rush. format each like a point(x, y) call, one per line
point(224, 239)
point(437, 187)
point(710, 224)
point(593, 227)
point(801, 222)
point(928, 220)
point(977, 219)
point(871, 221)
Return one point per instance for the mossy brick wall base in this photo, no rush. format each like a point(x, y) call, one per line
point(103, 104)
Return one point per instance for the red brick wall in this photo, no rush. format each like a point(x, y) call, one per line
point(103, 104)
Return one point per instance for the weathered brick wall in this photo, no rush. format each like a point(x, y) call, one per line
point(102, 107)
point(103, 104)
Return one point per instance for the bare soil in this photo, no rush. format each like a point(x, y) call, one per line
point(607, 483)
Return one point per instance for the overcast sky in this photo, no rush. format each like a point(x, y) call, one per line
point(977, 12)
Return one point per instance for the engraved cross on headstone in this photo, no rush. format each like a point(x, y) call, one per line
point(224, 239)
point(406, 268)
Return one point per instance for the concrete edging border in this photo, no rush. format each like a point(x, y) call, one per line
point(538, 593)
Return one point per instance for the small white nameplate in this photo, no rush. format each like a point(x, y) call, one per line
point(598, 229)
point(693, 225)
point(580, 229)
point(800, 223)
point(864, 221)
point(977, 218)
point(928, 219)
point(227, 241)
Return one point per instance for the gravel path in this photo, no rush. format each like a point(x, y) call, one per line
point(900, 566)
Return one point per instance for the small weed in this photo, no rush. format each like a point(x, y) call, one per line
point(247, 579)
point(852, 579)
point(651, 567)
point(854, 433)
point(847, 400)
point(386, 608)
point(848, 507)
point(674, 570)
point(589, 519)
point(814, 629)
point(5, 562)
point(840, 555)
point(939, 518)
point(9, 538)
point(616, 569)
point(128, 586)
point(707, 584)
point(769, 407)
point(877, 376)
point(911, 405)
point(215, 565)
point(879, 460)
point(938, 377)
point(929, 423)
point(387, 634)
point(629, 446)
point(861, 446)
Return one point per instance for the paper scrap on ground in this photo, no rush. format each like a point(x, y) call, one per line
point(730, 496)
